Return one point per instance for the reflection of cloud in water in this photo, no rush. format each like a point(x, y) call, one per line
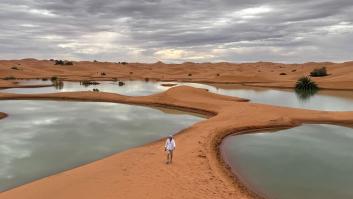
point(55, 136)
point(279, 97)
point(46, 121)
point(9, 152)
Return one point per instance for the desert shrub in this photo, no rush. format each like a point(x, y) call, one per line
point(189, 74)
point(103, 73)
point(319, 72)
point(15, 68)
point(121, 83)
point(131, 73)
point(54, 78)
point(44, 79)
point(61, 62)
point(294, 70)
point(9, 78)
point(147, 79)
point(305, 88)
point(123, 63)
point(283, 74)
point(115, 79)
point(218, 74)
point(305, 83)
point(95, 90)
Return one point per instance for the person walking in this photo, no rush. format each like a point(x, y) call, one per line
point(169, 148)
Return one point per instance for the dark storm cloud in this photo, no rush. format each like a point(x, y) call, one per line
point(178, 30)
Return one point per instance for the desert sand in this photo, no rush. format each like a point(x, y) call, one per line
point(2, 115)
point(255, 74)
point(198, 170)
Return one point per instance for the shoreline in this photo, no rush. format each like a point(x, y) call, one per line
point(203, 173)
point(274, 85)
point(209, 134)
point(233, 173)
point(3, 115)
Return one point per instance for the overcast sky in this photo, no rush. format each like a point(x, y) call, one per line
point(178, 30)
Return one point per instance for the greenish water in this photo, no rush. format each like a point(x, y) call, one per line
point(41, 138)
point(307, 162)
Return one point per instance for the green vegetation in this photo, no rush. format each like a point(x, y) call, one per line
point(54, 79)
point(62, 62)
point(305, 88)
point(319, 72)
point(305, 83)
point(121, 83)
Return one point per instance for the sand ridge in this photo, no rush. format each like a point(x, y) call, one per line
point(197, 171)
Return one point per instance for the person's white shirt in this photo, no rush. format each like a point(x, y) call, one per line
point(170, 144)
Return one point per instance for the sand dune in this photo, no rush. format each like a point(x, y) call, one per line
point(197, 171)
point(256, 74)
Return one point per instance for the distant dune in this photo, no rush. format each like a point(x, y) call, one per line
point(256, 74)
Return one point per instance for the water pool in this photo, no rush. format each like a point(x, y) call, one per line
point(310, 161)
point(41, 138)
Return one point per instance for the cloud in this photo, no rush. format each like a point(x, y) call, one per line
point(177, 30)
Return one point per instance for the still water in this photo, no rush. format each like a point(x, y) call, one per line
point(41, 138)
point(307, 162)
point(132, 88)
point(323, 100)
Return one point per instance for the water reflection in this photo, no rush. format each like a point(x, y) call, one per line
point(59, 85)
point(310, 161)
point(40, 138)
point(322, 100)
point(305, 95)
point(132, 88)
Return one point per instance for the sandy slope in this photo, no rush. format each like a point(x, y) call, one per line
point(259, 74)
point(197, 171)
point(2, 115)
